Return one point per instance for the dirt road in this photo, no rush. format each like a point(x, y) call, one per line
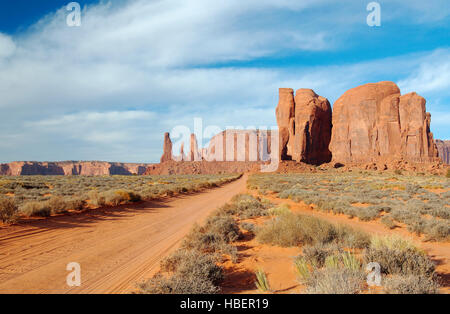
point(115, 247)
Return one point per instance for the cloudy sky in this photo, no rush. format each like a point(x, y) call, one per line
point(107, 90)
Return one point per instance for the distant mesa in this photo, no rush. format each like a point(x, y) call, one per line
point(66, 168)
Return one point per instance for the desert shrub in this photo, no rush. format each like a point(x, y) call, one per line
point(352, 238)
point(224, 226)
point(316, 254)
point(404, 262)
point(335, 281)
point(367, 214)
point(57, 204)
point(75, 203)
point(36, 209)
point(8, 210)
point(388, 222)
point(214, 236)
point(393, 242)
point(96, 199)
point(118, 197)
point(248, 227)
point(246, 206)
point(280, 210)
point(177, 285)
point(188, 272)
point(448, 173)
point(410, 284)
point(293, 230)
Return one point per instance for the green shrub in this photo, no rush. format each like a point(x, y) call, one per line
point(410, 284)
point(8, 210)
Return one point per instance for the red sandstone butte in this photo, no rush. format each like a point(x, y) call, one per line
point(304, 124)
point(444, 150)
point(373, 121)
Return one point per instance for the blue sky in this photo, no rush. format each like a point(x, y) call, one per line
point(135, 69)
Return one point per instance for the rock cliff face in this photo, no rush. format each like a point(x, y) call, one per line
point(240, 145)
point(83, 168)
point(304, 124)
point(444, 150)
point(373, 121)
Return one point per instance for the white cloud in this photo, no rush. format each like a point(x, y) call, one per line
point(7, 46)
point(432, 74)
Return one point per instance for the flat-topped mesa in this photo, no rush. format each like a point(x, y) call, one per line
point(167, 150)
point(240, 145)
point(72, 168)
point(373, 122)
point(304, 124)
point(443, 148)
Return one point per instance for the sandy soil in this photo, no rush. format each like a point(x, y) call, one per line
point(116, 247)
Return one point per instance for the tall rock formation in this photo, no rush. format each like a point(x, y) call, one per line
point(167, 149)
point(443, 148)
point(285, 119)
point(373, 121)
point(304, 125)
point(194, 154)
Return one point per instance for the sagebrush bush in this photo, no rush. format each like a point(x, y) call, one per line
point(335, 281)
point(403, 262)
point(410, 284)
point(36, 209)
point(57, 204)
point(8, 210)
point(316, 254)
point(177, 285)
point(293, 230)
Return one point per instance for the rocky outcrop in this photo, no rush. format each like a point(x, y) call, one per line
point(167, 148)
point(285, 113)
point(194, 154)
point(373, 121)
point(240, 145)
point(443, 148)
point(66, 168)
point(304, 124)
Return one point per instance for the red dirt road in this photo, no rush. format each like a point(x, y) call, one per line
point(116, 247)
